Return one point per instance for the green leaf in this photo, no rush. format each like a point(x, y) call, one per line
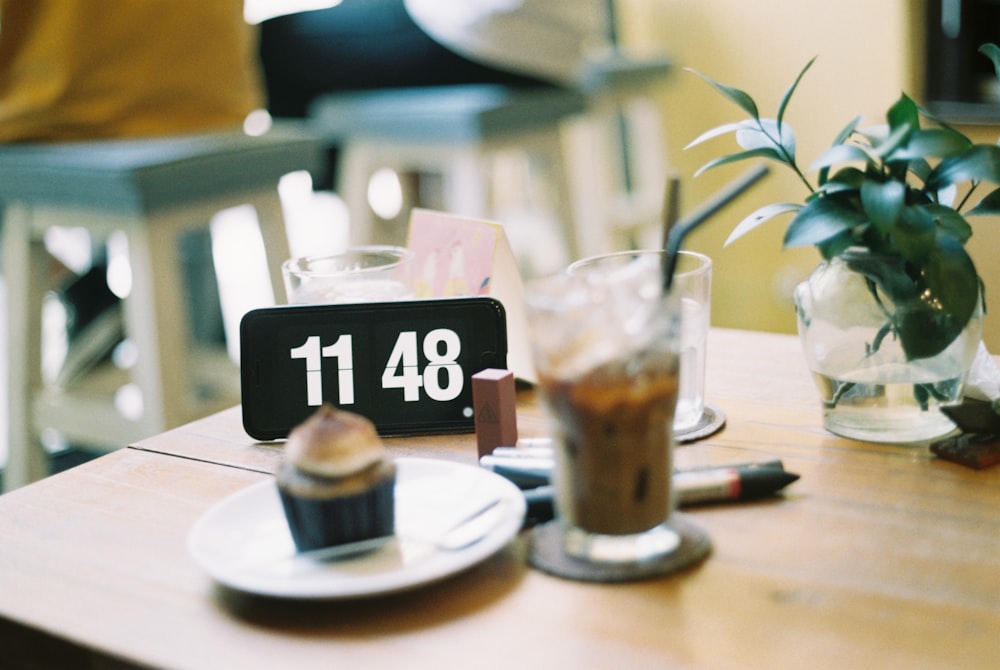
point(885, 271)
point(875, 134)
point(765, 133)
point(992, 51)
point(896, 139)
point(760, 216)
point(743, 155)
point(980, 162)
point(932, 142)
point(948, 221)
point(903, 113)
point(914, 234)
point(733, 94)
point(837, 245)
point(839, 153)
point(931, 116)
point(929, 324)
point(851, 176)
point(832, 187)
point(920, 168)
point(715, 132)
point(988, 205)
point(842, 137)
point(787, 97)
point(883, 202)
point(819, 220)
point(931, 308)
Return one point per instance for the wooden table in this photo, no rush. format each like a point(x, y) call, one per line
point(879, 557)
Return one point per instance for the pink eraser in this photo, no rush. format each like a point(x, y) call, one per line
point(495, 411)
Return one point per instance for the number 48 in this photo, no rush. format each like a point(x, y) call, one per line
point(441, 348)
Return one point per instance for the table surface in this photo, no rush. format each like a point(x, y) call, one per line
point(880, 556)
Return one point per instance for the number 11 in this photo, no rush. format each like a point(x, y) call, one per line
point(313, 354)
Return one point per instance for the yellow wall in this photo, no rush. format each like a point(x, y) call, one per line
point(868, 52)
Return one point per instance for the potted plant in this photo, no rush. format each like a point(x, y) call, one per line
point(891, 319)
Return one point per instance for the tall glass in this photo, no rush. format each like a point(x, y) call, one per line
point(358, 274)
point(605, 340)
point(692, 282)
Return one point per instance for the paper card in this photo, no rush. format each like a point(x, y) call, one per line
point(459, 256)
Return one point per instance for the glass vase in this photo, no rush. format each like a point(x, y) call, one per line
point(869, 388)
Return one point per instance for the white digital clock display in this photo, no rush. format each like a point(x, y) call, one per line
point(405, 365)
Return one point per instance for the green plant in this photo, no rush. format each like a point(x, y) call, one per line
point(889, 200)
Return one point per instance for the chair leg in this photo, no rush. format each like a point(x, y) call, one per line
point(356, 166)
point(156, 320)
point(273, 231)
point(467, 190)
point(551, 149)
point(25, 260)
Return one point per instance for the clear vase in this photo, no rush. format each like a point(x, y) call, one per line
point(870, 389)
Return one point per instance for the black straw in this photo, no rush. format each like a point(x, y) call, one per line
point(675, 232)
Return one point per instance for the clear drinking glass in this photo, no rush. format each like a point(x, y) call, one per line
point(692, 282)
point(358, 274)
point(605, 341)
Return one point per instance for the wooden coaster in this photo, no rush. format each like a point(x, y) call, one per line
point(545, 552)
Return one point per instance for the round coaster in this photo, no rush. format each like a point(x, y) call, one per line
point(545, 552)
point(712, 420)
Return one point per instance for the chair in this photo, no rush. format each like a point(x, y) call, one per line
point(617, 152)
point(457, 131)
point(454, 131)
point(152, 190)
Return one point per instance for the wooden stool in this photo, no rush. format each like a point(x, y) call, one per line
point(599, 144)
point(455, 131)
point(617, 153)
point(153, 191)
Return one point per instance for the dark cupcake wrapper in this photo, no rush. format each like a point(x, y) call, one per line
point(316, 523)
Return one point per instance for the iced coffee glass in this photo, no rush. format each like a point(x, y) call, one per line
point(692, 281)
point(605, 342)
point(375, 273)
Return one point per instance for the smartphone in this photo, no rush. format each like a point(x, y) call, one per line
point(407, 366)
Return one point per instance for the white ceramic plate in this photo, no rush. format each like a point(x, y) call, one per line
point(244, 543)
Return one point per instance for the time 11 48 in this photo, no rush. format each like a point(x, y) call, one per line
point(441, 347)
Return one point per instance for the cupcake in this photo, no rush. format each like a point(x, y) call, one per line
point(336, 481)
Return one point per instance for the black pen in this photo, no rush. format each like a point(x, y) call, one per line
point(695, 487)
point(529, 471)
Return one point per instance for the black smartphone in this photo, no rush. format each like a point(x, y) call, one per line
point(407, 366)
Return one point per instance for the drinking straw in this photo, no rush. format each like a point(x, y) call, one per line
point(674, 231)
point(671, 205)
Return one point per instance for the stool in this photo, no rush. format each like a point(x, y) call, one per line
point(606, 169)
point(455, 131)
point(617, 152)
point(152, 190)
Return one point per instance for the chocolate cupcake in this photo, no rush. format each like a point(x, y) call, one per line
point(336, 482)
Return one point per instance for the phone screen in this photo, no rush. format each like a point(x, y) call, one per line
point(407, 366)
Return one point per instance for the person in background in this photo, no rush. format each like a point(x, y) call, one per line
point(74, 70)
point(377, 44)
point(83, 70)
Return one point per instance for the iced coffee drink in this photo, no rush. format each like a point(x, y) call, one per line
point(605, 343)
point(614, 428)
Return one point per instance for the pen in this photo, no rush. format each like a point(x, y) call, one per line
point(720, 484)
point(529, 471)
point(545, 451)
point(692, 487)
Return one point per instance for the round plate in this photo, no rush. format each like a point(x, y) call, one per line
point(243, 542)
